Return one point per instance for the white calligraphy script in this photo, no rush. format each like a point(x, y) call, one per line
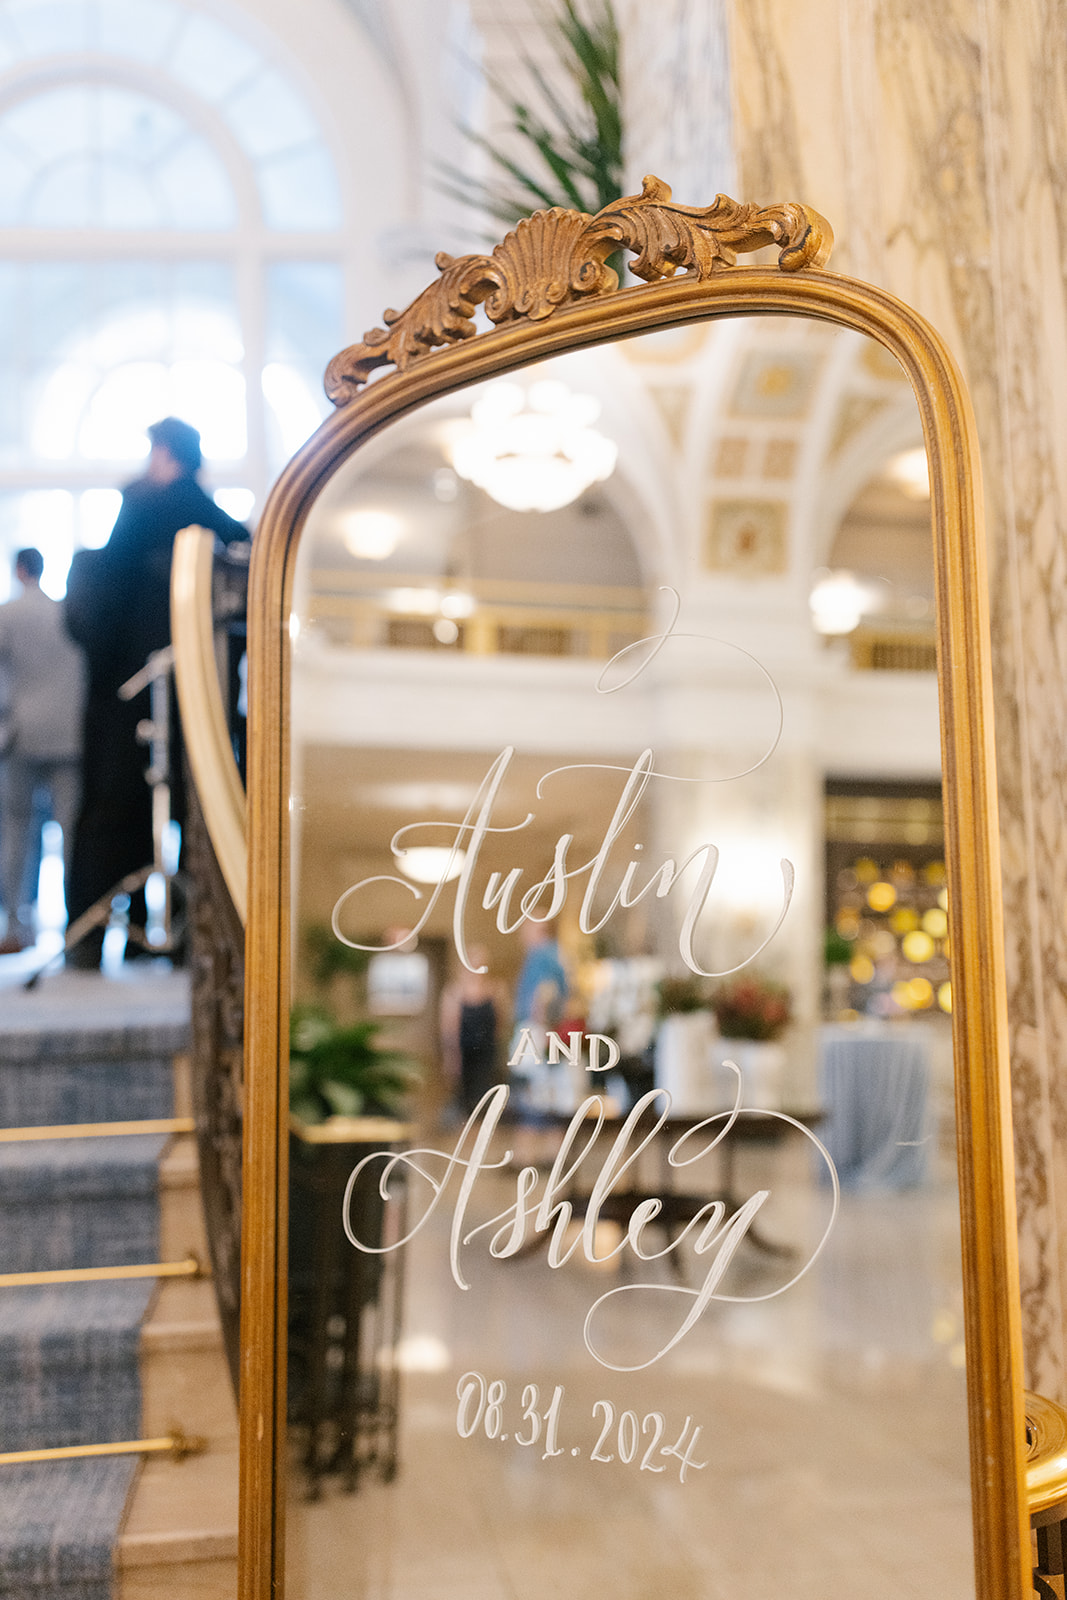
point(714, 1234)
point(609, 885)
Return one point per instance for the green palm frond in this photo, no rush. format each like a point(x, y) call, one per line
point(574, 139)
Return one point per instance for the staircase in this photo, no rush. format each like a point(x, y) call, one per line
point(83, 1363)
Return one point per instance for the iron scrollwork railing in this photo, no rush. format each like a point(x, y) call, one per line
point(217, 955)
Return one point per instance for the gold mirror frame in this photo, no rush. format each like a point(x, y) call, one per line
point(547, 289)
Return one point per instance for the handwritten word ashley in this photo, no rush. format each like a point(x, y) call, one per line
point(608, 885)
point(486, 1405)
point(549, 1212)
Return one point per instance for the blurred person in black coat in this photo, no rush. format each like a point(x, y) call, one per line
point(118, 610)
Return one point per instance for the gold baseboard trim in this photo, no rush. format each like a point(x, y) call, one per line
point(175, 1443)
point(97, 1130)
point(189, 1268)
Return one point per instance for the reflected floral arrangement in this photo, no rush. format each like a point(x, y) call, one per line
point(752, 1007)
point(682, 995)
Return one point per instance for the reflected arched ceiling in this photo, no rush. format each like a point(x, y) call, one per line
point(752, 453)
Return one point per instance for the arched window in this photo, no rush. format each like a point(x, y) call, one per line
point(171, 243)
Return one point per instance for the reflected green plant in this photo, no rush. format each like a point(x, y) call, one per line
point(575, 138)
point(339, 1069)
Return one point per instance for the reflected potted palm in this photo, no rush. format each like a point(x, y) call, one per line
point(347, 1095)
point(340, 1070)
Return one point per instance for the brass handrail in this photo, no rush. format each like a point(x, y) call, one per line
point(207, 740)
point(97, 1130)
point(189, 1268)
point(175, 1443)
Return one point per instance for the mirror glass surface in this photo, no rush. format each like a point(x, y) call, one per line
point(639, 1262)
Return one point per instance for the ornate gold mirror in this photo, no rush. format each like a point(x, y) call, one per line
point(647, 1251)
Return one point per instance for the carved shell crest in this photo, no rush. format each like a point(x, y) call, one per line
point(556, 258)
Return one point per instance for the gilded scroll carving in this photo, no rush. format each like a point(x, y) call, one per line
point(557, 258)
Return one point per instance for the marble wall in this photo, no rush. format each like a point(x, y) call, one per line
point(933, 134)
point(675, 64)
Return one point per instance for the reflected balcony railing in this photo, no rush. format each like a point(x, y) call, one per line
point(394, 611)
point(892, 649)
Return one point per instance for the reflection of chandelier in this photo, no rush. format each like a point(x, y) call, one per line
point(535, 450)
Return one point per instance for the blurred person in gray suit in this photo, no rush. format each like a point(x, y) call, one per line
point(44, 673)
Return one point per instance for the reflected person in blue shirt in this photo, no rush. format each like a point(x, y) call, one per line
point(540, 993)
point(542, 983)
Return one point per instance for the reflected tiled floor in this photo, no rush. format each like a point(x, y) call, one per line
point(832, 1417)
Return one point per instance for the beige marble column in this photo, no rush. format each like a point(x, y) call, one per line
point(676, 96)
point(933, 134)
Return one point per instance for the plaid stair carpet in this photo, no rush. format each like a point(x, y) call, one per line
point(69, 1352)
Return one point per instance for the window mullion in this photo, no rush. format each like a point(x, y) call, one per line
point(252, 311)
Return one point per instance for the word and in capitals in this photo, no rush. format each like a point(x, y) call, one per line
point(527, 1052)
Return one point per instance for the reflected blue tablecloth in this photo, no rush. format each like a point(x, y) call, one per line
point(874, 1085)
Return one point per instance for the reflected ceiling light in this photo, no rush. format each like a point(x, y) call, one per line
point(910, 471)
point(439, 798)
point(457, 604)
point(748, 879)
point(414, 602)
point(371, 535)
point(431, 863)
point(445, 485)
point(838, 601)
point(533, 450)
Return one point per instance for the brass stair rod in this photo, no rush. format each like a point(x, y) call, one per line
point(189, 1268)
point(175, 1443)
point(95, 1130)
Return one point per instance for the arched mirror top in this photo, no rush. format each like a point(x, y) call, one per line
point(548, 287)
point(550, 290)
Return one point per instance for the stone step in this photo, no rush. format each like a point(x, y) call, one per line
point(182, 1231)
point(179, 1537)
point(185, 1382)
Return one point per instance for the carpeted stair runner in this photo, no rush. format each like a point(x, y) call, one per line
point(69, 1364)
point(79, 1202)
point(58, 1521)
point(69, 1353)
point(49, 1079)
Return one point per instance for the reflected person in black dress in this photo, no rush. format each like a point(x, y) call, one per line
point(474, 1019)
